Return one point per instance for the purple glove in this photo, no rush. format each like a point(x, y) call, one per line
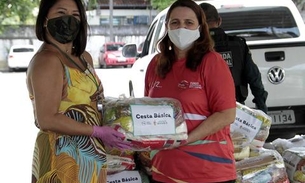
point(110, 137)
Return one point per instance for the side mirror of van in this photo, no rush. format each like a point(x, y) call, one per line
point(130, 50)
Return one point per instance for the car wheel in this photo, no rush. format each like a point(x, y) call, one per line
point(99, 63)
point(131, 92)
point(102, 64)
point(10, 69)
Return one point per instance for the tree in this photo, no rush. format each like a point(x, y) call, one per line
point(161, 4)
point(21, 12)
point(17, 12)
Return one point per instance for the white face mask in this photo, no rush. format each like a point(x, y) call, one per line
point(183, 38)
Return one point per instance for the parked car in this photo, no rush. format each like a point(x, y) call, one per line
point(20, 56)
point(274, 32)
point(111, 55)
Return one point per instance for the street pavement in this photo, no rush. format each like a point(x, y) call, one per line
point(18, 132)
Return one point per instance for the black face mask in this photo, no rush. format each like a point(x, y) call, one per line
point(64, 29)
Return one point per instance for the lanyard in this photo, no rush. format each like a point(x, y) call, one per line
point(87, 71)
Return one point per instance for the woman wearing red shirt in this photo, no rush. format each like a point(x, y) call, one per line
point(188, 69)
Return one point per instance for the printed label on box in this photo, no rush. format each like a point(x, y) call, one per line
point(125, 176)
point(153, 120)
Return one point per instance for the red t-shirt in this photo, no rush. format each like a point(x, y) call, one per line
point(210, 89)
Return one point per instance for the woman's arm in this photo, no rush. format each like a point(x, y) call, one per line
point(212, 124)
point(45, 80)
point(220, 90)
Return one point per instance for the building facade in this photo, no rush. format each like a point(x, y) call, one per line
point(130, 22)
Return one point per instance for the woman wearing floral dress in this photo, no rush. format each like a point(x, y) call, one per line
point(64, 90)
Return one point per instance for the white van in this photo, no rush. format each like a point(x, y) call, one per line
point(20, 56)
point(275, 33)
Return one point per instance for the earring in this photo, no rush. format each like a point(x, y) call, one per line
point(46, 22)
point(170, 48)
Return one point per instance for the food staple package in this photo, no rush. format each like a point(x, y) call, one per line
point(148, 123)
point(294, 159)
point(128, 176)
point(281, 145)
point(250, 128)
point(267, 167)
point(119, 163)
point(119, 160)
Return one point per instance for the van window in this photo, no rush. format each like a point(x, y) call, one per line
point(159, 33)
point(259, 23)
point(155, 33)
point(145, 49)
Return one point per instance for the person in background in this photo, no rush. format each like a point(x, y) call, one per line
point(236, 53)
point(188, 69)
point(64, 90)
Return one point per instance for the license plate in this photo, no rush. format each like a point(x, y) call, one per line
point(121, 59)
point(282, 117)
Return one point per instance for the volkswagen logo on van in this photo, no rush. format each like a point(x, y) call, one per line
point(276, 75)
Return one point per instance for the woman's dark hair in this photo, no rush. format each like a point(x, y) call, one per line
point(195, 54)
point(80, 41)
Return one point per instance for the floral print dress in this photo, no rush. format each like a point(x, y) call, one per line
point(72, 159)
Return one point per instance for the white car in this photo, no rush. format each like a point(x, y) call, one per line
point(20, 56)
point(274, 31)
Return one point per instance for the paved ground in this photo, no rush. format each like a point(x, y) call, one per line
point(18, 132)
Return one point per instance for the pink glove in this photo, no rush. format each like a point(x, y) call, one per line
point(110, 137)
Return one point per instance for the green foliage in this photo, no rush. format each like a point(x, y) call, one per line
point(161, 4)
point(21, 12)
point(17, 12)
point(91, 4)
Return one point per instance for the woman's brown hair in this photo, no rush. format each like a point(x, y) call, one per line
point(195, 54)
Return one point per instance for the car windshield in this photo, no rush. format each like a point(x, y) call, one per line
point(114, 47)
point(259, 23)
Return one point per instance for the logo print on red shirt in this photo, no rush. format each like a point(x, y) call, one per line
point(183, 84)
